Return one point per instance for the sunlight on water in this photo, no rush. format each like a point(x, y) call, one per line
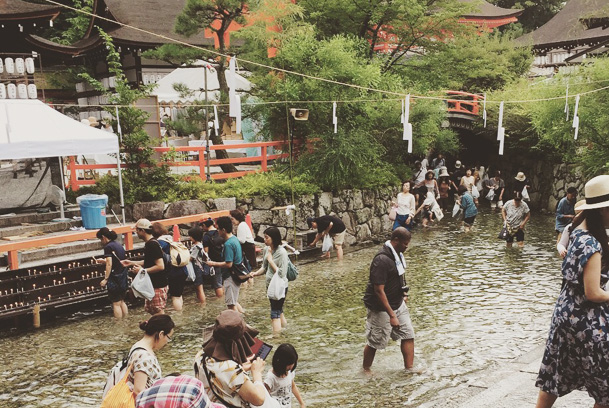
point(474, 303)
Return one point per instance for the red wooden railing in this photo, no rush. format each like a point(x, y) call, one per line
point(127, 231)
point(201, 162)
point(464, 103)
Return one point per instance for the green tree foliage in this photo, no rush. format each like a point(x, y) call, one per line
point(346, 160)
point(540, 129)
point(70, 26)
point(475, 63)
point(412, 26)
point(536, 12)
point(143, 180)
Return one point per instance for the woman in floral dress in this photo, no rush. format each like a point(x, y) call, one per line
point(577, 349)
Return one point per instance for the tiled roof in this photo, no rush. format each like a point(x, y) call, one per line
point(488, 10)
point(157, 16)
point(570, 26)
point(18, 9)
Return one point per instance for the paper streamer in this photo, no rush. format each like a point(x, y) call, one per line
point(216, 121)
point(484, 110)
point(567, 103)
point(238, 113)
point(334, 118)
point(232, 91)
point(576, 116)
point(501, 130)
point(407, 135)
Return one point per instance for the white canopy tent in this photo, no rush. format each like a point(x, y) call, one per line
point(194, 79)
point(31, 129)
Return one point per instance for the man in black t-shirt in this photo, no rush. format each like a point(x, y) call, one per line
point(333, 226)
point(154, 265)
point(213, 244)
point(385, 298)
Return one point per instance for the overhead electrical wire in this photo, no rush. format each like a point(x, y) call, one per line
point(386, 92)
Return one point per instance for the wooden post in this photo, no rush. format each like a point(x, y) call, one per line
point(36, 314)
point(128, 240)
point(264, 158)
point(73, 176)
point(13, 259)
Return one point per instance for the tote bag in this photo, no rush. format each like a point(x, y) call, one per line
point(142, 285)
point(120, 396)
point(276, 290)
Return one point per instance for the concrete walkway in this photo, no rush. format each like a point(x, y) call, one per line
point(509, 386)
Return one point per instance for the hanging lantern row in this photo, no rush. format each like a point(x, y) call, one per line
point(20, 91)
point(17, 66)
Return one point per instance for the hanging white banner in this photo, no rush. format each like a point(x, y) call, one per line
point(334, 118)
point(238, 113)
point(232, 89)
point(576, 116)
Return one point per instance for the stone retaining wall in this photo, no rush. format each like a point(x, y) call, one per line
point(564, 176)
point(364, 212)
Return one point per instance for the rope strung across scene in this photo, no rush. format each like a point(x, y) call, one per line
point(298, 73)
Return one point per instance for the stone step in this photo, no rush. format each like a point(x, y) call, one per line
point(38, 229)
point(17, 219)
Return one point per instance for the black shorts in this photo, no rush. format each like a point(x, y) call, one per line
point(519, 235)
point(117, 287)
point(177, 280)
point(469, 220)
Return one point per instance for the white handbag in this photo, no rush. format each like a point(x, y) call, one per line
point(142, 285)
point(276, 290)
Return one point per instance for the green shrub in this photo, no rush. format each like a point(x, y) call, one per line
point(347, 160)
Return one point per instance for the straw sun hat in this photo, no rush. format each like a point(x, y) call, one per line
point(520, 177)
point(597, 193)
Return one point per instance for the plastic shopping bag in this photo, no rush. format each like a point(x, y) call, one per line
point(456, 209)
point(276, 290)
point(190, 269)
point(437, 211)
point(142, 285)
point(327, 244)
point(475, 192)
point(490, 195)
point(525, 194)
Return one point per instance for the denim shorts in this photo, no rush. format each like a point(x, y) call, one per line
point(378, 328)
point(277, 306)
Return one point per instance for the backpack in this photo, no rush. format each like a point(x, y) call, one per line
point(292, 273)
point(179, 255)
point(215, 244)
point(117, 372)
point(199, 256)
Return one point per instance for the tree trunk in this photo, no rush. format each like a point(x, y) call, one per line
point(217, 138)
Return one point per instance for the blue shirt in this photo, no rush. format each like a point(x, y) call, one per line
point(232, 253)
point(467, 203)
point(564, 207)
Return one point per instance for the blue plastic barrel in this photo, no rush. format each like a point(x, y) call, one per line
point(93, 210)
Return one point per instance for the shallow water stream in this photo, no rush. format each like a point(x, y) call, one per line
point(473, 303)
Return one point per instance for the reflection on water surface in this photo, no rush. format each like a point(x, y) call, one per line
point(474, 303)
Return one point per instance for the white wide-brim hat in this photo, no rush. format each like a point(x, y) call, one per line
point(597, 193)
point(520, 177)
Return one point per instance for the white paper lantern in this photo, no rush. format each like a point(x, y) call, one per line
point(30, 67)
point(22, 91)
point(2, 91)
point(11, 91)
point(32, 92)
point(9, 65)
point(20, 66)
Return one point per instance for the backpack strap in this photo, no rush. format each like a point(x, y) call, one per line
point(210, 383)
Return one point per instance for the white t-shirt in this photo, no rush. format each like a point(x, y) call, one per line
point(280, 388)
point(406, 204)
point(424, 164)
point(244, 233)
